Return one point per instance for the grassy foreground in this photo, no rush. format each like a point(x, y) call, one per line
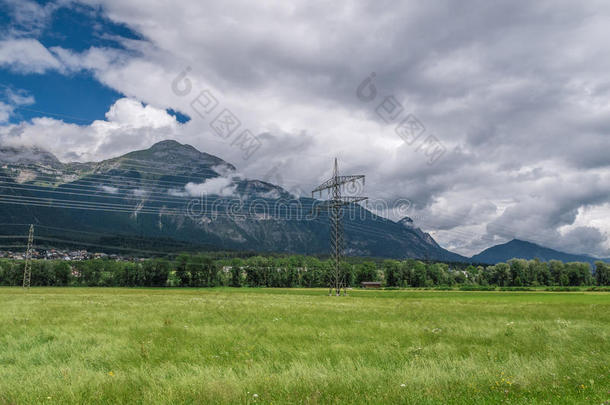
point(200, 346)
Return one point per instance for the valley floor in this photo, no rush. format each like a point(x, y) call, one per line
point(200, 346)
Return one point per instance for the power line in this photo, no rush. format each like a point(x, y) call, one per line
point(50, 113)
point(152, 173)
point(121, 207)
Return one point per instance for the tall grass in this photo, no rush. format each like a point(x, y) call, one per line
point(201, 346)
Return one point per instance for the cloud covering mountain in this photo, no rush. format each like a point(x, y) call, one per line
point(517, 93)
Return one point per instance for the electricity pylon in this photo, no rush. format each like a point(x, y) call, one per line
point(27, 270)
point(335, 205)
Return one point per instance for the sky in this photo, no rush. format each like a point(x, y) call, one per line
point(490, 119)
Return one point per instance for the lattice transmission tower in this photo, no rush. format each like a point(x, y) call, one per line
point(335, 205)
point(27, 270)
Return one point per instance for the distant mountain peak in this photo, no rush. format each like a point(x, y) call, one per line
point(174, 153)
point(170, 144)
point(521, 249)
point(515, 240)
point(172, 147)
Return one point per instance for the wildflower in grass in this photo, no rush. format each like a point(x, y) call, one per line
point(403, 385)
point(254, 396)
point(111, 373)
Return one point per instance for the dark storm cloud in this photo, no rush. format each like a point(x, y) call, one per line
point(517, 92)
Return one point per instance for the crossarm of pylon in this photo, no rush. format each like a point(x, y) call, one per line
point(345, 200)
point(352, 199)
point(336, 181)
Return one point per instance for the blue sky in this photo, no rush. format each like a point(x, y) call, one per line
point(76, 97)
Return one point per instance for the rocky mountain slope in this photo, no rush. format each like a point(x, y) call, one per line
point(172, 196)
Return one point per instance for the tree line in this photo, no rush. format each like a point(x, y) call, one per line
point(202, 270)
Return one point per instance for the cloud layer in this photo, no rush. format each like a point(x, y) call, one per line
point(517, 93)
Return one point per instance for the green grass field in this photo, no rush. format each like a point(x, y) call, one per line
point(200, 346)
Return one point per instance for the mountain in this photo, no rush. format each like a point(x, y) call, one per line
point(174, 197)
point(408, 223)
point(23, 155)
point(526, 250)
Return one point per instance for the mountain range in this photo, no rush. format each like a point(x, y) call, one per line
point(152, 199)
point(172, 197)
point(526, 250)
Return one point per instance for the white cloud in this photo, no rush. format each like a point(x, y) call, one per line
point(129, 125)
point(27, 55)
point(131, 113)
point(5, 112)
point(221, 186)
point(29, 17)
point(14, 98)
point(19, 97)
point(109, 189)
point(524, 120)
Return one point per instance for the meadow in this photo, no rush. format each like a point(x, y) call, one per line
point(300, 346)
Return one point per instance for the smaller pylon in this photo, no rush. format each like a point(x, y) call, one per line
point(27, 270)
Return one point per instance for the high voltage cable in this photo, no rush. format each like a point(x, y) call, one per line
point(100, 193)
point(131, 237)
point(98, 245)
point(132, 167)
point(218, 203)
point(65, 204)
point(114, 180)
point(369, 229)
point(167, 173)
point(226, 204)
point(173, 200)
point(169, 199)
point(55, 203)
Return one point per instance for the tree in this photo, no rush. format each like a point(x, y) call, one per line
point(420, 275)
point(542, 273)
point(602, 273)
point(502, 274)
point(518, 272)
point(156, 272)
point(393, 272)
point(366, 271)
point(314, 273)
point(181, 270)
point(438, 273)
point(203, 271)
point(459, 277)
point(236, 272)
point(578, 273)
point(558, 272)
